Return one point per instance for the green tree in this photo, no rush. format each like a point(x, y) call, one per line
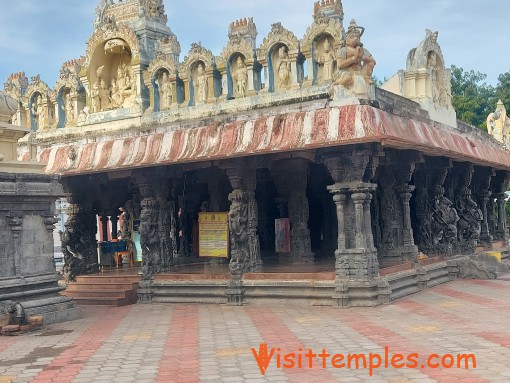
point(502, 91)
point(471, 96)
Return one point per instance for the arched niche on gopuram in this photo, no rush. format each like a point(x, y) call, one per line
point(281, 59)
point(165, 88)
point(319, 46)
point(112, 71)
point(239, 69)
point(202, 81)
point(38, 105)
point(69, 94)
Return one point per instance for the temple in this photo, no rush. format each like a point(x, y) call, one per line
point(354, 195)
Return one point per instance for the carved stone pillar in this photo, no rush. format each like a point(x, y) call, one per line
point(437, 216)
point(250, 182)
point(150, 238)
point(79, 243)
point(485, 235)
point(410, 250)
point(243, 221)
point(359, 216)
point(340, 199)
point(502, 231)
point(291, 179)
point(357, 266)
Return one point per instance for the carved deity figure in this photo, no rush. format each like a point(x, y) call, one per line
point(241, 78)
point(238, 227)
point(283, 67)
point(444, 218)
point(68, 108)
point(104, 96)
point(471, 217)
point(82, 116)
point(149, 238)
point(94, 97)
point(498, 124)
point(432, 65)
point(165, 92)
point(202, 85)
point(116, 95)
point(125, 84)
point(354, 59)
point(327, 60)
point(39, 112)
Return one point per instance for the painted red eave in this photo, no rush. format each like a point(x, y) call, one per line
point(281, 133)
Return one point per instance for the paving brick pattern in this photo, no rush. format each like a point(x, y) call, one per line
point(213, 343)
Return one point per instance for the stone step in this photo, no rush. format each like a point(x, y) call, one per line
point(104, 301)
point(108, 279)
point(403, 284)
point(78, 286)
point(99, 293)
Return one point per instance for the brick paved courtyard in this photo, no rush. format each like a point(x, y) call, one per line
point(210, 343)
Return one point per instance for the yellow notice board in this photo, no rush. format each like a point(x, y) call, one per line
point(213, 235)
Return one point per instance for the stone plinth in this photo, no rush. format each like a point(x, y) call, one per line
point(27, 272)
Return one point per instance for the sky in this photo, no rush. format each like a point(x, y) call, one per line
point(38, 36)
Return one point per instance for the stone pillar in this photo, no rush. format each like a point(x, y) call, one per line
point(359, 199)
point(485, 236)
point(243, 220)
point(250, 182)
point(357, 268)
point(340, 199)
point(104, 227)
point(114, 219)
point(238, 223)
point(502, 231)
point(149, 228)
point(291, 179)
point(410, 250)
point(79, 243)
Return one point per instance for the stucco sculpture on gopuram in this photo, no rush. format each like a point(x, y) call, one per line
point(498, 124)
point(288, 136)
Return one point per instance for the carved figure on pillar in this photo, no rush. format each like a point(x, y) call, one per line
point(470, 221)
point(238, 227)
point(444, 220)
point(150, 238)
point(79, 243)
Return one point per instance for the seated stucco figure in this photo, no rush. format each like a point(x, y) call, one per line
point(354, 61)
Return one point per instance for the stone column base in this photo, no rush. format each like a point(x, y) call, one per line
point(235, 292)
point(145, 292)
point(359, 293)
point(357, 264)
point(410, 253)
